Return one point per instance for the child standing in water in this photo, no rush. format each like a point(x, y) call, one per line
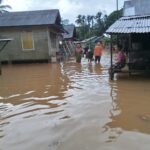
point(90, 55)
point(78, 53)
point(98, 52)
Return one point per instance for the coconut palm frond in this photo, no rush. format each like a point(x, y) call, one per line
point(5, 7)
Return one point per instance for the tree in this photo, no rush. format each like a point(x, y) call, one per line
point(115, 15)
point(99, 27)
point(79, 20)
point(88, 18)
point(3, 8)
point(95, 25)
point(82, 29)
point(98, 17)
point(92, 19)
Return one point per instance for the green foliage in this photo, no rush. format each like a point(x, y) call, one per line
point(89, 26)
point(4, 8)
point(105, 41)
point(113, 17)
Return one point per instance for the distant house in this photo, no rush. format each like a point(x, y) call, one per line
point(71, 32)
point(34, 33)
point(134, 27)
point(68, 39)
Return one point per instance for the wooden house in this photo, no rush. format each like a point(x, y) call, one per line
point(68, 39)
point(71, 32)
point(134, 26)
point(34, 33)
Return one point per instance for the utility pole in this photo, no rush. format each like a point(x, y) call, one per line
point(117, 9)
point(117, 18)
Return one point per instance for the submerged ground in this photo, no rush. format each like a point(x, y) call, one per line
point(69, 106)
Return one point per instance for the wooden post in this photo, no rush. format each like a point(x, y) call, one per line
point(3, 46)
point(111, 58)
point(130, 47)
point(117, 18)
point(0, 68)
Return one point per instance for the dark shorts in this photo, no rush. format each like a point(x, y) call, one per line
point(118, 66)
point(97, 58)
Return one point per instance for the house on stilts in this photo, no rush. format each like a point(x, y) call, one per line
point(34, 34)
point(68, 38)
point(134, 27)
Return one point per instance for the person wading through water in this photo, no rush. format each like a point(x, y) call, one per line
point(78, 53)
point(98, 52)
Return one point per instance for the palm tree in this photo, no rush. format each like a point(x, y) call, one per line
point(88, 20)
point(83, 25)
point(3, 8)
point(83, 18)
point(79, 20)
point(98, 17)
point(100, 23)
point(104, 21)
point(92, 20)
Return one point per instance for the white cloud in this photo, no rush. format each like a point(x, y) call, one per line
point(18, 5)
point(69, 9)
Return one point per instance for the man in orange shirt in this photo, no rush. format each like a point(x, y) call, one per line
point(98, 52)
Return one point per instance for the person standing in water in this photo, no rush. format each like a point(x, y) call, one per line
point(78, 53)
point(90, 55)
point(98, 52)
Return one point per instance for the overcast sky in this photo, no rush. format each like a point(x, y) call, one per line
point(69, 9)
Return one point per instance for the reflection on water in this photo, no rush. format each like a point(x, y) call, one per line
point(71, 106)
point(130, 105)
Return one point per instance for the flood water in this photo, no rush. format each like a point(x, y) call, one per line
point(69, 106)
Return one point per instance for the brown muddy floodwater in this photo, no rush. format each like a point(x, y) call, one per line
point(71, 106)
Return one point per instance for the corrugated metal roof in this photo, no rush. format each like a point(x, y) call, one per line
point(89, 39)
point(70, 29)
point(92, 39)
point(28, 18)
point(2, 40)
point(132, 24)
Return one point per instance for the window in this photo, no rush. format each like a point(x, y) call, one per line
point(27, 40)
point(53, 39)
